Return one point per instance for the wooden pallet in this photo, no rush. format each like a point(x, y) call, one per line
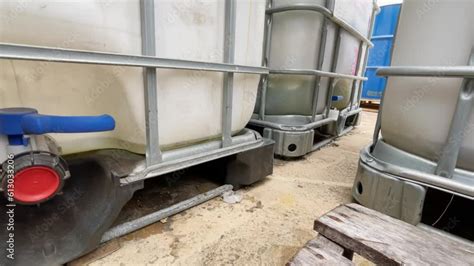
point(379, 238)
point(371, 105)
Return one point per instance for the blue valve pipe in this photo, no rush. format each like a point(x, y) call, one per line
point(16, 122)
point(337, 98)
point(41, 124)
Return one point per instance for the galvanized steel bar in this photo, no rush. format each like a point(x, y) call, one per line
point(266, 54)
point(459, 127)
point(147, 15)
point(327, 13)
point(366, 57)
point(314, 73)
point(229, 50)
point(428, 71)
point(263, 97)
point(321, 54)
point(422, 178)
point(357, 70)
point(378, 123)
point(37, 53)
point(351, 30)
point(450, 151)
point(298, 7)
point(293, 128)
point(191, 160)
point(335, 58)
point(128, 227)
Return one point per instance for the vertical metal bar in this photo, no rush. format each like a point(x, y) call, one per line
point(378, 123)
point(459, 127)
point(229, 49)
point(330, 5)
point(335, 58)
point(321, 55)
point(266, 54)
point(355, 82)
point(366, 56)
point(147, 16)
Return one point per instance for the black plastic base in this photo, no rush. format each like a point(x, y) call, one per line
point(251, 166)
point(68, 225)
point(73, 223)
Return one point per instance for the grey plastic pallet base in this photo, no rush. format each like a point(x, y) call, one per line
point(344, 124)
point(388, 194)
point(395, 182)
point(73, 223)
point(292, 144)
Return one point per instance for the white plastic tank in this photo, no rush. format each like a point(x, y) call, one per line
point(190, 102)
point(295, 44)
point(417, 112)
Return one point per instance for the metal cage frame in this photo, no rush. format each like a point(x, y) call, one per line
point(394, 181)
point(445, 168)
point(340, 119)
point(158, 162)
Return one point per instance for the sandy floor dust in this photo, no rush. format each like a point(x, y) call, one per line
point(273, 221)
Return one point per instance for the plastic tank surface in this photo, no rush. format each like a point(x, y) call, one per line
point(417, 112)
point(380, 55)
point(295, 44)
point(189, 102)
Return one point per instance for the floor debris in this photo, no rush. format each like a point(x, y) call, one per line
point(232, 197)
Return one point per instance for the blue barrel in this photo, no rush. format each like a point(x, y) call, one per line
point(380, 55)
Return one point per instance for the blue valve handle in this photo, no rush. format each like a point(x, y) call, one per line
point(16, 122)
point(41, 124)
point(337, 98)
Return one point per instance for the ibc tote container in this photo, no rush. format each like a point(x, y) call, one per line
point(189, 102)
point(424, 138)
point(315, 49)
point(177, 79)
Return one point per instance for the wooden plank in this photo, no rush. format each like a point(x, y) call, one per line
point(385, 240)
point(320, 251)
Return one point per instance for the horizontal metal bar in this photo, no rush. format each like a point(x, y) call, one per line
point(353, 31)
point(192, 160)
point(131, 226)
point(245, 136)
point(305, 127)
point(37, 53)
point(295, 7)
point(378, 37)
point(373, 67)
point(430, 180)
point(324, 11)
point(313, 72)
point(428, 71)
point(346, 113)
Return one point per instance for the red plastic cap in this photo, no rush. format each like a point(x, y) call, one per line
point(36, 184)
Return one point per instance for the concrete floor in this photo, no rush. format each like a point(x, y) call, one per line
point(273, 221)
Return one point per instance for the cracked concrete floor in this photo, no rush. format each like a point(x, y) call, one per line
point(273, 221)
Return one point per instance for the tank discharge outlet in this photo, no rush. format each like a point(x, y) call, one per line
point(32, 171)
